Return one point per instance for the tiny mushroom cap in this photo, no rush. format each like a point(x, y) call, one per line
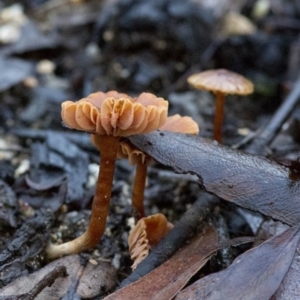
point(180, 124)
point(221, 80)
point(145, 235)
point(175, 123)
point(116, 114)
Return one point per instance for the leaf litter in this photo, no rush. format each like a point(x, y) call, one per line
point(256, 274)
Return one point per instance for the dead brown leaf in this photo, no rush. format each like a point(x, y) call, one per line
point(256, 274)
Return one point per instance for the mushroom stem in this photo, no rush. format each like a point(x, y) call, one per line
point(108, 146)
point(219, 115)
point(138, 190)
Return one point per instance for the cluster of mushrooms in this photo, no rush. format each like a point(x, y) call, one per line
point(110, 117)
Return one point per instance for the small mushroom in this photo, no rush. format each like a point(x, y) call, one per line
point(174, 123)
point(108, 116)
point(145, 235)
point(221, 82)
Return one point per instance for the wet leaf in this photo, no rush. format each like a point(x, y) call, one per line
point(256, 274)
point(250, 181)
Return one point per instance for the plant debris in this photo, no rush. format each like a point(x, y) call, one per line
point(254, 271)
point(81, 279)
point(24, 246)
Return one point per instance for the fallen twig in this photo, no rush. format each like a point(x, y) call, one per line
point(266, 135)
point(48, 280)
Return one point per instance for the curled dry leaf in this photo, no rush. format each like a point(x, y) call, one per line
point(116, 114)
point(145, 235)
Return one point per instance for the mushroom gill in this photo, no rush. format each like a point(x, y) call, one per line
point(145, 235)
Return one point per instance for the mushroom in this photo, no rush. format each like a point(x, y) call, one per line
point(108, 116)
point(221, 82)
point(174, 123)
point(145, 235)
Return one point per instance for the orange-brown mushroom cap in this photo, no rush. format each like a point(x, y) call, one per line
point(174, 123)
point(146, 234)
point(180, 124)
point(221, 80)
point(115, 114)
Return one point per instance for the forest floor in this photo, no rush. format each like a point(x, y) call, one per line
point(53, 51)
